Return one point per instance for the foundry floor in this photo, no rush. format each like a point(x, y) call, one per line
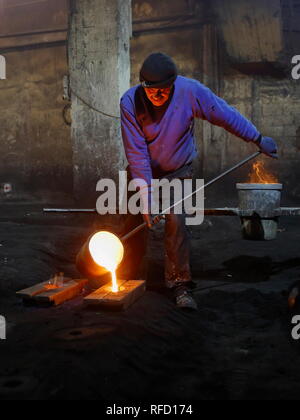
point(238, 346)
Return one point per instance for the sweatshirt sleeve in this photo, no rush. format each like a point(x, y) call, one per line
point(137, 154)
point(210, 107)
point(135, 145)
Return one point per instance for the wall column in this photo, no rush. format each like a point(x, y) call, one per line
point(99, 65)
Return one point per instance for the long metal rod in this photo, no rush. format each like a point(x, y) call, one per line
point(144, 225)
point(213, 181)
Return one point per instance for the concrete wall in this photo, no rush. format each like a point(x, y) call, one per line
point(36, 152)
point(269, 98)
point(252, 31)
point(99, 65)
point(35, 142)
point(273, 106)
point(263, 91)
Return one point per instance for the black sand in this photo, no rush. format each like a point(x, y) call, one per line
point(238, 346)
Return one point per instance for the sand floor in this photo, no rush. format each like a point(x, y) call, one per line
point(237, 346)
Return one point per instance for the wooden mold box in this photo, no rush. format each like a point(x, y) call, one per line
point(129, 292)
point(39, 293)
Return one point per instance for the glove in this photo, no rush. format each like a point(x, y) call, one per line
point(267, 146)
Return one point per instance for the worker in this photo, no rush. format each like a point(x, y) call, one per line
point(157, 119)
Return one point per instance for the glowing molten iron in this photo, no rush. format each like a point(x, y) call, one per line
point(260, 175)
point(107, 251)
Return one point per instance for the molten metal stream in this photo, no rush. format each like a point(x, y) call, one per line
point(115, 287)
point(107, 251)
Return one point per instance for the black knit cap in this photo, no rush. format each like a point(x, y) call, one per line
point(158, 71)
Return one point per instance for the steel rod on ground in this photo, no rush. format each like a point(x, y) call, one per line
point(213, 181)
point(166, 211)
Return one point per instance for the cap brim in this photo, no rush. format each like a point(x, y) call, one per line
point(162, 84)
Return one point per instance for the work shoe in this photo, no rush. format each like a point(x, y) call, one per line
point(185, 301)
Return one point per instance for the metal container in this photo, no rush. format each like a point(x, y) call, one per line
point(85, 263)
point(259, 206)
point(94, 253)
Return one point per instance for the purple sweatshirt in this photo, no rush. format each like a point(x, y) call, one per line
point(157, 143)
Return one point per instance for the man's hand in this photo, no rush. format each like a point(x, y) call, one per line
point(151, 221)
point(268, 146)
point(148, 219)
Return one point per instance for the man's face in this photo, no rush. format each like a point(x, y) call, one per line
point(158, 96)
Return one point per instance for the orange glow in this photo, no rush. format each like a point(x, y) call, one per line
point(158, 96)
point(51, 287)
point(107, 251)
point(115, 287)
point(259, 175)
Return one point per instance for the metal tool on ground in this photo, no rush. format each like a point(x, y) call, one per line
point(166, 211)
point(259, 205)
point(208, 184)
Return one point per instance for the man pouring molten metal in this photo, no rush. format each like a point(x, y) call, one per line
point(158, 135)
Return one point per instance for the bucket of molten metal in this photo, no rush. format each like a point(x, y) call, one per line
point(260, 204)
point(100, 255)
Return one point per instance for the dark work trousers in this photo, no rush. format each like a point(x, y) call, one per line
point(177, 239)
point(176, 242)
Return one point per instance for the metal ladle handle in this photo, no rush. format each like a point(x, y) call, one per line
point(213, 181)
